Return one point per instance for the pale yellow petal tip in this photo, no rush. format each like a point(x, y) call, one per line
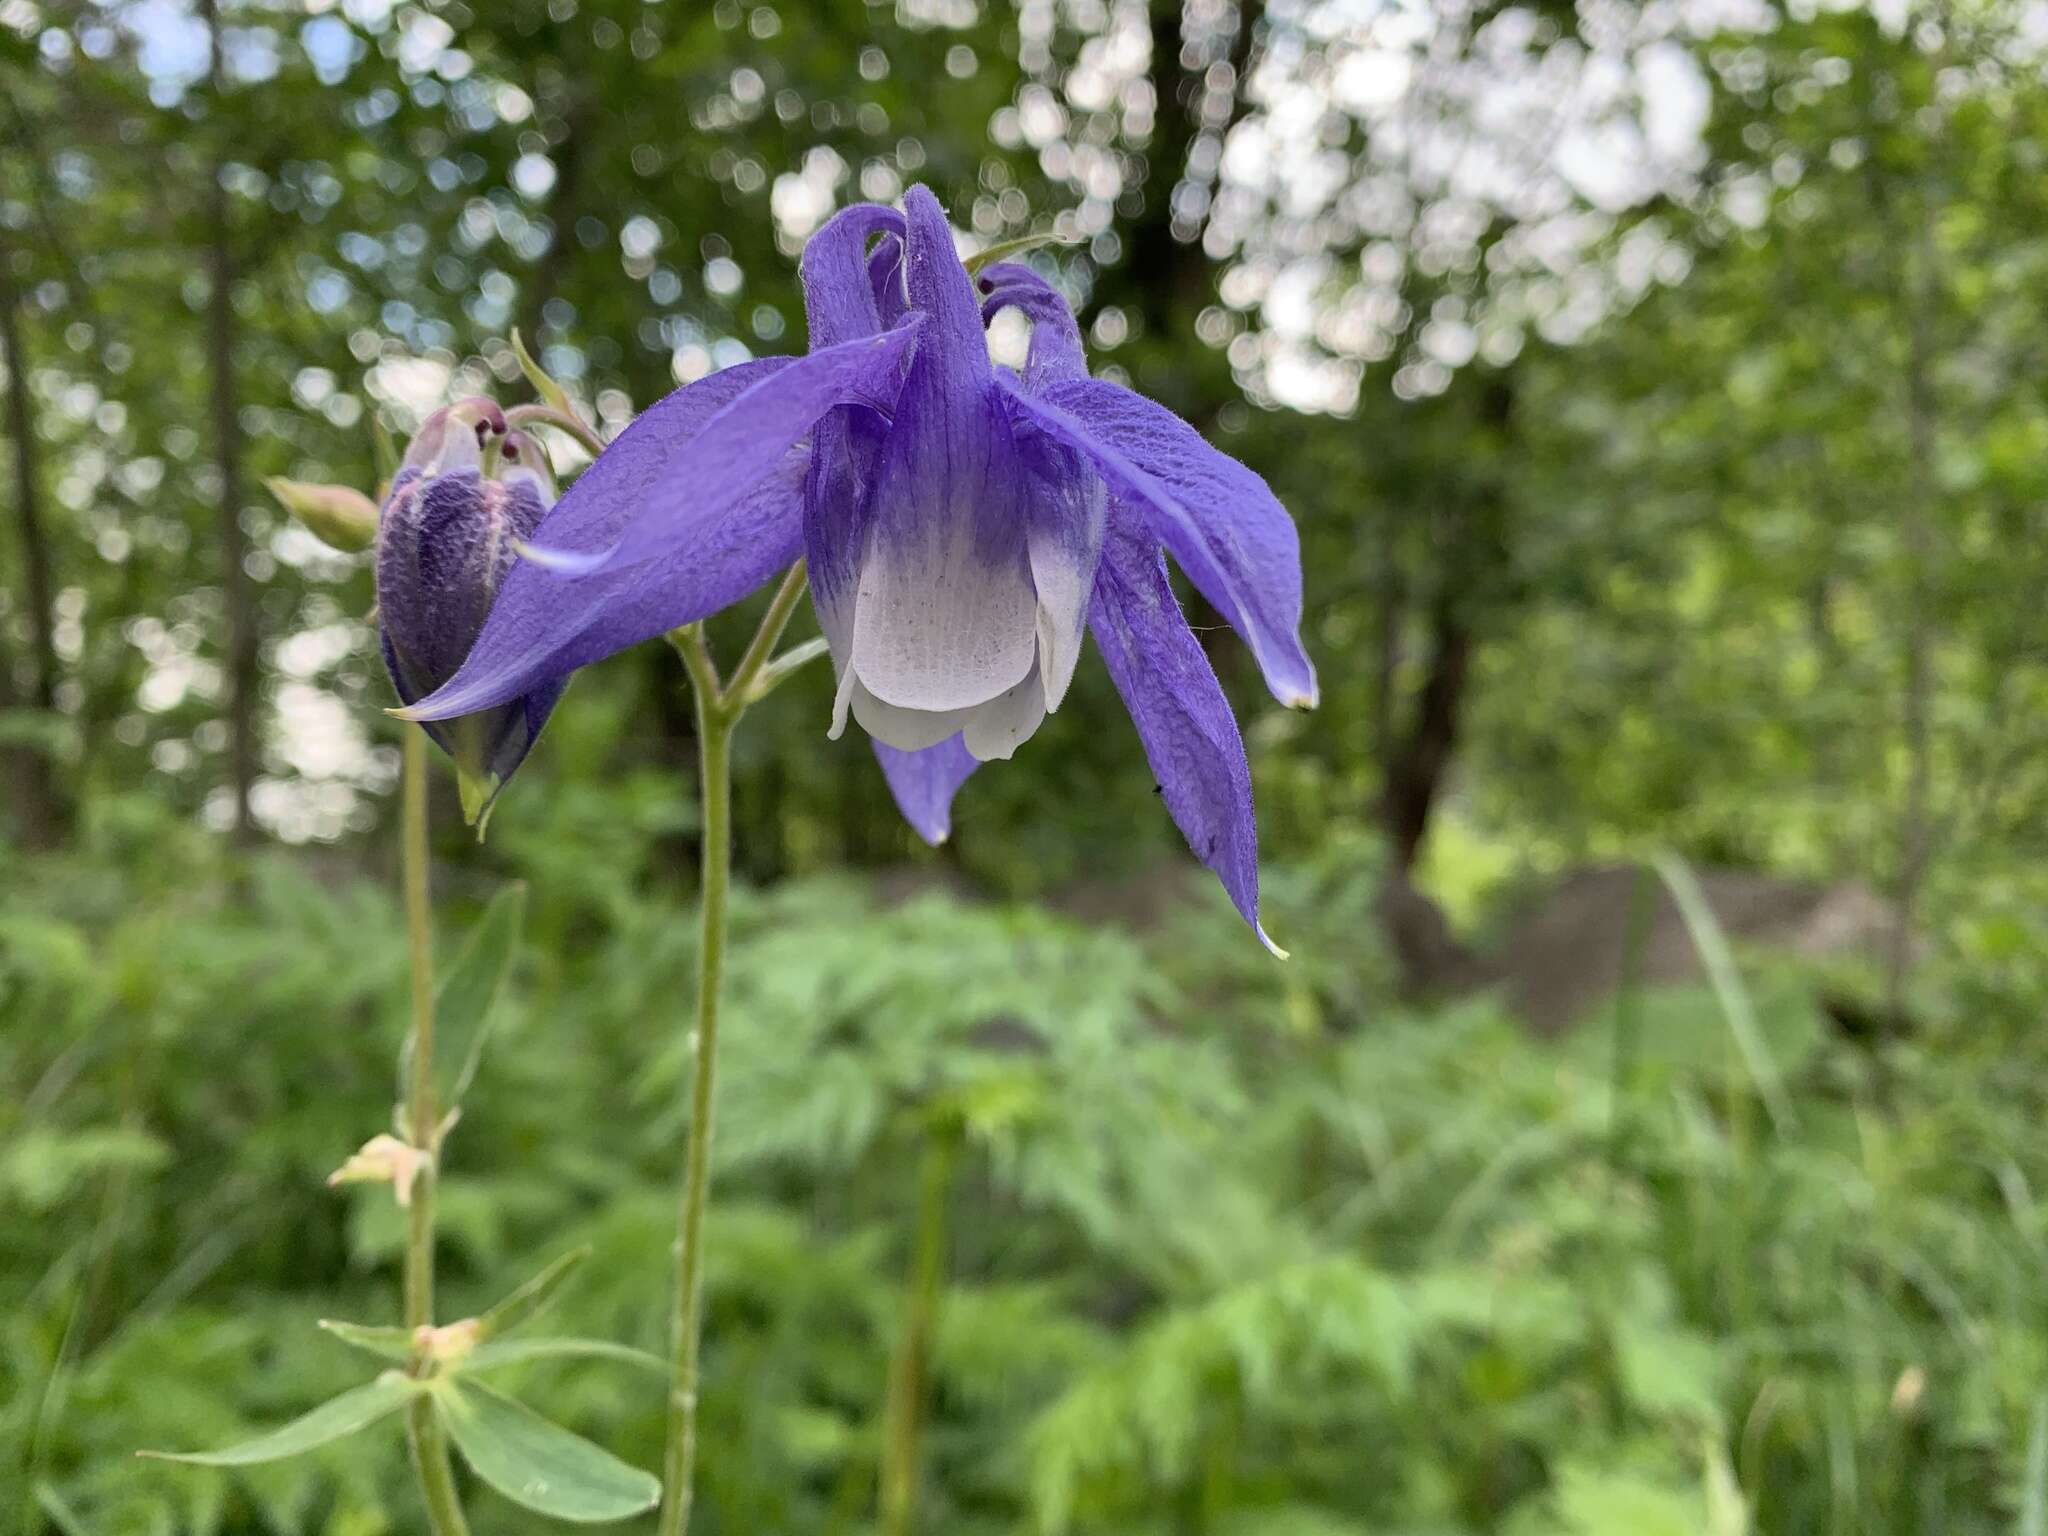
point(1274, 949)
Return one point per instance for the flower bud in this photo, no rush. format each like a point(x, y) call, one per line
point(451, 1343)
point(338, 515)
point(383, 1159)
point(468, 494)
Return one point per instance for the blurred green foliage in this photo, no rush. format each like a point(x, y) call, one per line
point(1231, 1248)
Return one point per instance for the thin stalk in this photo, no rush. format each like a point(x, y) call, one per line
point(719, 707)
point(714, 742)
point(423, 1431)
point(903, 1411)
point(562, 421)
point(773, 622)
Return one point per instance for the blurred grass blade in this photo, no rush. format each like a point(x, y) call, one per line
point(386, 1343)
point(1727, 1510)
point(1712, 946)
point(2034, 1486)
point(355, 1409)
point(463, 1005)
point(531, 1297)
point(517, 1351)
point(539, 1464)
point(59, 1513)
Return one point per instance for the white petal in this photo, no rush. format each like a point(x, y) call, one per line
point(907, 730)
point(1002, 725)
point(842, 700)
point(939, 627)
point(1064, 555)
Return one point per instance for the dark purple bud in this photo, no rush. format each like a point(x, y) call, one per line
point(468, 495)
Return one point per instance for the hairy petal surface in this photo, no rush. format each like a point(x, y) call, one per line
point(925, 782)
point(1190, 736)
point(445, 544)
point(839, 293)
point(1224, 526)
point(885, 276)
point(543, 625)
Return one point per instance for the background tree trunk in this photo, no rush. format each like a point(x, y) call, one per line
point(37, 811)
point(237, 606)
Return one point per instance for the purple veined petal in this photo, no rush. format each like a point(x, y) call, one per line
point(885, 277)
point(1190, 737)
point(730, 453)
point(942, 292)
point(848, 444)
point(839, 298)
point(444, 545)
point(945, 615)
point(1223, 525)
point(1066, 499)
point(543, 626)
point(1056, 350)
point(924, 784)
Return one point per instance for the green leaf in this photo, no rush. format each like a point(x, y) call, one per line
point(463, 1003)
point(487, 1357)
point(539, 1464)
point(386, 1343)
point(358, 1408)
point(531, 1297)
point(1003, 250)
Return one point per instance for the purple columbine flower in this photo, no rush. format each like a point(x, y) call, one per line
point(467, 494)
point(963, 525)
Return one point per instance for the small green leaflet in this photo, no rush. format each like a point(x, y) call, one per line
point(1003, 250)
point(463, 1003)
point(539, 1464)
point(386, 1343)
point(487, 1357)
point(530, 1298)
point(358, 1408)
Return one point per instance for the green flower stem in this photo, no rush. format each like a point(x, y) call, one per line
point(423, 1430)
point(719, 707)
point(561, 420)
point(909, 1370)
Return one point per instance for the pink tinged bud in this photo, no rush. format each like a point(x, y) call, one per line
point(337, 515)
point(469, 495)
point(383, 1159)
point(450, 1343)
